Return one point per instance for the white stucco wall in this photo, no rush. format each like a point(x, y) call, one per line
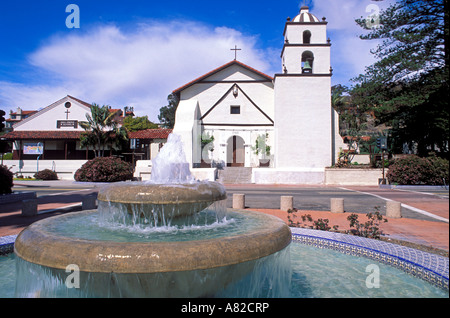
point(64, 168)
point(213, 88)
point(293, 56)
point(223, 143)
point(303, 122)
point(187, 126)
point(214, 96)
point(294, 33)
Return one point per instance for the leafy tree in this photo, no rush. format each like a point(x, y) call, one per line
point(350, 115)
point(407, 88)
point(167, 113)
point(138, 123)
point(101, 130)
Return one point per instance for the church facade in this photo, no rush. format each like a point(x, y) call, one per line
point(283, 127)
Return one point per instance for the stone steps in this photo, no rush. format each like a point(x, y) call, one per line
point(235, 175)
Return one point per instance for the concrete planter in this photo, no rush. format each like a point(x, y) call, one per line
point(355, 176)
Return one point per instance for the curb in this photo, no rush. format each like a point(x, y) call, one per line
point(413, 187)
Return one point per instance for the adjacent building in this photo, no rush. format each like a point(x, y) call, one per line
point(50, 139)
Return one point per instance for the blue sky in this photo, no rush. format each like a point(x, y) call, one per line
point(135, 52)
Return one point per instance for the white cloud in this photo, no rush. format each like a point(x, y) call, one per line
point(135, 67)
point(29, 97)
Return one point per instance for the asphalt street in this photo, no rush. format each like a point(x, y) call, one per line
point(318, 199)
point(257, 197)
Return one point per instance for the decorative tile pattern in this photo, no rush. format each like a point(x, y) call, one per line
point(429, 267)
point(7, 244)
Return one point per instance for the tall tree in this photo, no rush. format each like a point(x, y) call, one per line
point(167, 113)
point(138, 123)
point(407, 88)
point(101, 130)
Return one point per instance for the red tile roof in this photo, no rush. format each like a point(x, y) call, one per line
point(80, 101)
point(218, 70)
point(63, 135)
point(41, 135)
point(365, 138)
point(150, 134)
point(25, 112)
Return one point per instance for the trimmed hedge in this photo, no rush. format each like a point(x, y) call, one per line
point(414, 170)
point(6, 180)
point(104, 169)
point(46, 174)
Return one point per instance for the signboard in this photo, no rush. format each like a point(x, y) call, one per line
point(33, 148)
point(67, 123)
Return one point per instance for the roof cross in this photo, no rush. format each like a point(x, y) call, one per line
point(235, 51)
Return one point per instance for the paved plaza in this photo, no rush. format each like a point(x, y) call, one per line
point(425, 211)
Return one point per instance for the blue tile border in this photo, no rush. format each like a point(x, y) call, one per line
point(430, 267)
point(7, 244)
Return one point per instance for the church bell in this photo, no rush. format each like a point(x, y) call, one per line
point(307, 67)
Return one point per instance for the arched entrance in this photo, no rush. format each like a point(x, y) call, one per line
point(235, 152)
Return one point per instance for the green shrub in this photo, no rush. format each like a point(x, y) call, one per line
point(108, 169)
point(46, 174)
point(414, 170)
point(6, 180)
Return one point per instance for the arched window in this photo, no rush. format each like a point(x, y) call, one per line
point(307, 62)
point(306, 37)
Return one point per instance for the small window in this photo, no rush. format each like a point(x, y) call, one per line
point(307, 37)
point(235, 110)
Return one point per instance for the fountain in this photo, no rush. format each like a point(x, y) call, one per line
point(169, 237)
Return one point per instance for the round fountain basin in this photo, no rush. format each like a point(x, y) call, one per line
point(174, 200)
point(185, 268)
point(37, 245)
point(149, 193)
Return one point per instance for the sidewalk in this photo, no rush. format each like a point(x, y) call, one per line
point(434, 234)
point(428, 233)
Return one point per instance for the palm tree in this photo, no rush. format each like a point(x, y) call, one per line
point(101, 130)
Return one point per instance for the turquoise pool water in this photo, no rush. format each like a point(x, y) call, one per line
point(205, 225)
point(316, 273)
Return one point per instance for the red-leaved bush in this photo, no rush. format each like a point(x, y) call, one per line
point(414, 170)
point(6, 180)
point(107, 169)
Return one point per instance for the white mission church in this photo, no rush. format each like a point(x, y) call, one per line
point(283, 127)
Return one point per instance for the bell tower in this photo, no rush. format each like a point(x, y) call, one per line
point(305, 129)
point(306, 47)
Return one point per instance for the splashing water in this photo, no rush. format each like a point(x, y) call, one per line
point(171, 166)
